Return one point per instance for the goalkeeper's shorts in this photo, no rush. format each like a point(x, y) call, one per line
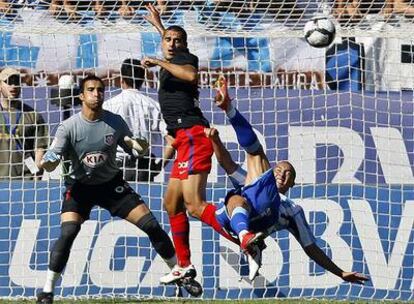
point(116, 196)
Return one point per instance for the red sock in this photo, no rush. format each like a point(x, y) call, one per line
point(180, 230)
point(209, 217)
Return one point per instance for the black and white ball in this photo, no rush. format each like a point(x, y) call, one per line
point(319, 32)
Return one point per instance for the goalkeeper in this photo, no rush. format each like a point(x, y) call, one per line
point(89, 141)
point(258, 205)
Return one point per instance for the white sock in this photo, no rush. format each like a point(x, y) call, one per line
point(51, 278)
point(171, 262)
point(231, 111)
point(242, 234)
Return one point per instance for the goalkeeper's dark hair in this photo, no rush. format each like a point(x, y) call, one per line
point(132, 73)
point(89, 78)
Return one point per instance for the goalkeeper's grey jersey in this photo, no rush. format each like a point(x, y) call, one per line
point(91, 146)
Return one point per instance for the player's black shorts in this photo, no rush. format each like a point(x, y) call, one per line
point(116, 196)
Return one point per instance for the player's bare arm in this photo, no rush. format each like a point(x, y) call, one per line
point(154, 18)
point(316, 254)
point(185, 72)
point(222, 154)
point(169, 150)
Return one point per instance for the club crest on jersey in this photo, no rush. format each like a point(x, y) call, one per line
point(109, 139)
point(95, 159)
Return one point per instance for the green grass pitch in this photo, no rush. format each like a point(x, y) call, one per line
point(147, 301)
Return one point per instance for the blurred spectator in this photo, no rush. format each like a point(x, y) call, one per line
point(107, 9)
point(279, 10)
point(232, 16)
point(403, 7)
point(252, 11)
point(8, 9)
point(142, 114)
point(37, 4)
point(5, 7)
point(349, 12)
point(23, 136)
point(70, 9)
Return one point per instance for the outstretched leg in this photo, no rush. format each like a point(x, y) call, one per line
point(257, 162)
point(246, 136)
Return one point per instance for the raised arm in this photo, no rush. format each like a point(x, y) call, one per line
point(316, 254)
point(154, 18)
point(299, 227)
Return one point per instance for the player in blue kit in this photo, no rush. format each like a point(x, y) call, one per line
point(258, 206)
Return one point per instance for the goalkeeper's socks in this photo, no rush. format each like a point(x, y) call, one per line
point(171, 262)
point(51, 278)
point(244, 131)
point(180, 230)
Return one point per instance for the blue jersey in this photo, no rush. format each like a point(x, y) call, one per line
point(264, 200)
point(270, 210)
point(292, 218)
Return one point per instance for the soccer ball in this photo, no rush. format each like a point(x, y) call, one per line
point(319, 32)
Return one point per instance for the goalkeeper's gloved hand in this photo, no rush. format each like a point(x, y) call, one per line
point(139, 146)
point(50, 161)
point(155, 167)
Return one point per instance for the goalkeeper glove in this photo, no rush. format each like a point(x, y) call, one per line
point(137, 145)
point(50, 161)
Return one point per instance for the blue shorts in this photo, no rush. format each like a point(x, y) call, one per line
point(263, 199)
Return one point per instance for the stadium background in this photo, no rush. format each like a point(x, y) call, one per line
point(342, 115)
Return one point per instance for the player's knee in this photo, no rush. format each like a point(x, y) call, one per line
point(194, 210)
point(173, 205)
point(69, 231)
point(237, 201)
point(61, 249)
point(222, 216)
point(158, 237)
point(148, 224)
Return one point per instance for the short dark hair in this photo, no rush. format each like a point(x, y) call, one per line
point(89, 78)
point(178, 29)
point(132, 73)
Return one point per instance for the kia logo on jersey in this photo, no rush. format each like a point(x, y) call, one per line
point(95, 159)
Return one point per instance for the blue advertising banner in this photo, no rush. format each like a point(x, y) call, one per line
point(368, 229)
